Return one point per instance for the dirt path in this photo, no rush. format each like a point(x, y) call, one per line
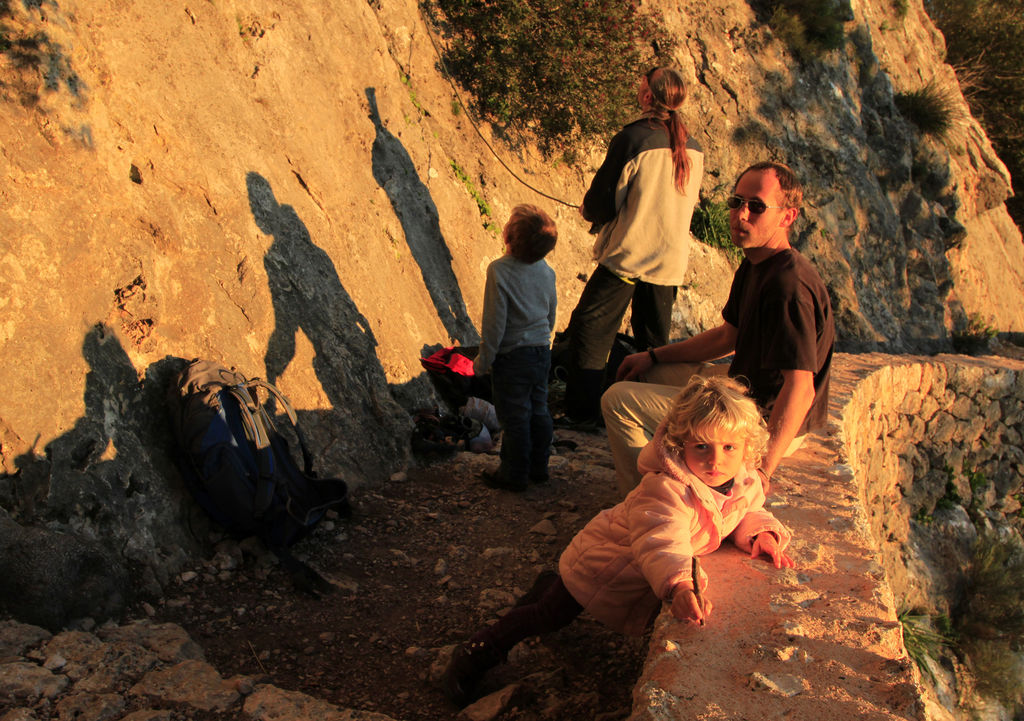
point(425, 559)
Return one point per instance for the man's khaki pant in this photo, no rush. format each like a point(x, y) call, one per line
point(633, 410)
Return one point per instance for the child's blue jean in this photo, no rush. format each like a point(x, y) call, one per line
point(519, 380)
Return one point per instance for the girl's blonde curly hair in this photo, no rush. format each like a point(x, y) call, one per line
point(708, 406)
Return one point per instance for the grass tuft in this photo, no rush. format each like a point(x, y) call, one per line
point(976, 338)
point(991, 618)
point(920, 637)
point(710, 225)
point(933, 108)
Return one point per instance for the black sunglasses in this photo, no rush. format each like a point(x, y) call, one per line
point(735, 202)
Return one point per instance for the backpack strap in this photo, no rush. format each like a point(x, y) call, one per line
point(255, 431)
point(307, 457)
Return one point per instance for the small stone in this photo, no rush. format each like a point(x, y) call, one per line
point(187, 576)
point(545, 528)
point(490, 553)
point(55, 662)
point(785, 654)
point(399, 476)
point(780, 683)
point(490, 707)
point(792, 628)
point(148, 608)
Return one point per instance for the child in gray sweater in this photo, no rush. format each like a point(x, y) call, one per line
point(518, 319)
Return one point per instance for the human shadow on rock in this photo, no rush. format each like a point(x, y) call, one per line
point(94, 518)
point(395, 172)
point(307, 295)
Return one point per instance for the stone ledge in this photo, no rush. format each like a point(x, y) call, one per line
point(823, 640)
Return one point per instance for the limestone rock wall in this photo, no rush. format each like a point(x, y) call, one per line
point(937, 446)
point(290, 188)
point(908, 230)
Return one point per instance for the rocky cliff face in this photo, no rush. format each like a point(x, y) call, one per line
point(288, 188)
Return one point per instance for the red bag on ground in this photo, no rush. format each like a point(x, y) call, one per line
point(447, 360)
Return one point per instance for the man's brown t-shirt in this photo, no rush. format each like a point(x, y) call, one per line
point(783, 315)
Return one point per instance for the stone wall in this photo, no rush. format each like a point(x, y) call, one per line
point(935, 444)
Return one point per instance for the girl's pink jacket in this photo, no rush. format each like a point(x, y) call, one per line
point(629, 558)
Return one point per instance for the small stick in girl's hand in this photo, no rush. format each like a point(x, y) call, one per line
point(695, 572)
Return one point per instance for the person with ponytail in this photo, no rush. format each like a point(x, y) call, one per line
point(640, 203)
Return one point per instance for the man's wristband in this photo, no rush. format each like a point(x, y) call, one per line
point(654, 358)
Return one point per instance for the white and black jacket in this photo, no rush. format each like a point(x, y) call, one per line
point(644, 220)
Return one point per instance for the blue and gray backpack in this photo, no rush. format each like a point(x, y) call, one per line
point(237, 465)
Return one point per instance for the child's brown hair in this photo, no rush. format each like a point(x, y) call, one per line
point(714, 404)
point(530, 233)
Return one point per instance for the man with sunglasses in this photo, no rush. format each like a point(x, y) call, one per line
point(777, 325)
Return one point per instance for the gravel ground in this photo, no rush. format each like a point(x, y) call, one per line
point(425, 559)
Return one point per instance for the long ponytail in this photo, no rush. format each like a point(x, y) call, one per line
point(668, 91)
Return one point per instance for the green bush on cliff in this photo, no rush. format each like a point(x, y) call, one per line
point(990, 619)
point(985, 41)
point(975, 338)
point(564, 71)
point(809, 28)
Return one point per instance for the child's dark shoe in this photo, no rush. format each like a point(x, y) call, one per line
point(540, 477)
point(495, 479)
point(469, 663)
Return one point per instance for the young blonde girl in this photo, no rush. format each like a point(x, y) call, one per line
point(700, 486)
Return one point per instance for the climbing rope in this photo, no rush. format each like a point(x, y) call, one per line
point(458, 96)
